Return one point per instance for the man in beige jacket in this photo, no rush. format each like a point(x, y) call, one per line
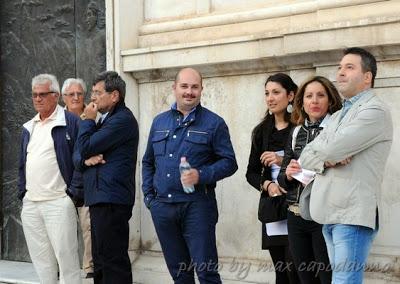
point(349, 157)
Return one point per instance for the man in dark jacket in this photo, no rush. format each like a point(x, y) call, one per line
point(106, 154)
point(46, 178)
point(185, 222)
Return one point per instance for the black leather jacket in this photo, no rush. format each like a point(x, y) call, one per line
point(304, 136)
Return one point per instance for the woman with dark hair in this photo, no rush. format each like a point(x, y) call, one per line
point(268, 142)
point(315, 101)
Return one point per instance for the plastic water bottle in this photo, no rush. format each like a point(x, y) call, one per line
point(183, 167)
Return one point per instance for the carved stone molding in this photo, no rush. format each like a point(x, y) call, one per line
point(254, 55)
point(259, 14)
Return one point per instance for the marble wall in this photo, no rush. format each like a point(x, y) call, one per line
point(236, 45)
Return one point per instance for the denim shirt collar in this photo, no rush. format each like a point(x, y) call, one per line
point(347, 103)
point(190, 116)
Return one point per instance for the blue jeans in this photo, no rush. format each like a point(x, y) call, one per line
point(186, 231)
point(348, 247)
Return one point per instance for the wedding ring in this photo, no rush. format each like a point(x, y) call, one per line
point(275, 194)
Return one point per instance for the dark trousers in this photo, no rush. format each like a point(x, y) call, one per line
point(186, 232)
point(309, 250)
point(110, 241)
point(285, 272)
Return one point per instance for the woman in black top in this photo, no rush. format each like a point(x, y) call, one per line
point(316, 99)
point(268, 142)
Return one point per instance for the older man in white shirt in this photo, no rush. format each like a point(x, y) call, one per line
point(47, 182)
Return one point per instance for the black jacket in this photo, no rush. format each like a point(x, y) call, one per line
point(260, 143)
point(304, 136)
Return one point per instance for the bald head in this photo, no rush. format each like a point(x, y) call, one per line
point(187, 89)
point(188, 70)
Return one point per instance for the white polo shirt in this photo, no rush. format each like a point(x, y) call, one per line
point(43, 177)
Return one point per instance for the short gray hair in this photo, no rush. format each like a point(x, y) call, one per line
point(72, 81)
point(43, 79)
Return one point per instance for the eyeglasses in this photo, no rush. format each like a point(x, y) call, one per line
point(41, 95)
point(98, 93)
point(78, 94)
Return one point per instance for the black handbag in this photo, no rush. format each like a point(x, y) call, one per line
point(272, 209)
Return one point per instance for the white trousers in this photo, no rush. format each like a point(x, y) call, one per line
point(50, 231)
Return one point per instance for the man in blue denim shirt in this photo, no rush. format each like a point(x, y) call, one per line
point(185, 223)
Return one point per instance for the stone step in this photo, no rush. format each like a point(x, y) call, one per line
point(16, 272)
point(152, 270)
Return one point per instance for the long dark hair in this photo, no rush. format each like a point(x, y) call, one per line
point(287, 83)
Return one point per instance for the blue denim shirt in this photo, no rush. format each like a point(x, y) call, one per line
point(203, 138)
point(348, 103)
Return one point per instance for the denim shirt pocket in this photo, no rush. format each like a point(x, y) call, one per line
point(197, 137)
point(159, 141)
point(197, 143)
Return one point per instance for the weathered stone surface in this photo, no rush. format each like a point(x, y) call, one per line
point(90, 39)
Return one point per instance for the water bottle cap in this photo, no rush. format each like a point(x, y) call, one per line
point(183, 159)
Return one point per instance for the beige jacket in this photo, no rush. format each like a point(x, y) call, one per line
point(350, 194)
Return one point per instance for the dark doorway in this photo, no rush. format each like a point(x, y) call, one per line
point(61, 37)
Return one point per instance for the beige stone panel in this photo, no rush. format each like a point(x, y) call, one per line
point(264, 28)
point(387, 239)
point(154, 98)
point(240, 101)
point(302, 17)
point(328, 71)
point(389, 69)
point(145, 59)
point(381, 34)
point(203, 7)
point(159, 9)
point(382, 11)
point(226, 18)
point(222, 6)
point(300, 75)
point(117, 38)
point(303, 23)
point(325, 32)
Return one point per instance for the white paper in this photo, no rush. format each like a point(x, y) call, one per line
point(277, 228)
point(305, 176)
